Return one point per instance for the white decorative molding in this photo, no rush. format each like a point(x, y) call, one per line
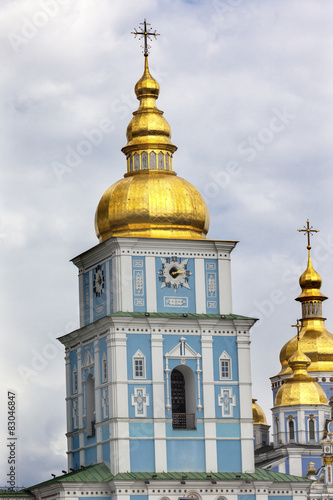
point(227, 401)
point(140, 401)
point(105, 403)
point(88, 358)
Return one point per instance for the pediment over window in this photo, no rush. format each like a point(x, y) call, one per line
point(88, 358)
point(182, 350)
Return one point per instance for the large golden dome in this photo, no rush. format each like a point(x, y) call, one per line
point(151, 201)
point(315, 341)
point(300, 388)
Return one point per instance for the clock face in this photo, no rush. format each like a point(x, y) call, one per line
point(174, 273)
point(330, 427)
point(98, 281)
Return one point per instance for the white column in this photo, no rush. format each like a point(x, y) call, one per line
point(124, 281)
point(151, 284)
point(245, 403)
point(158, 402)
point(200, 293)
point(208, 398)
point(108, 286)
point(80, 386)
point(68, 406)
point(81, 299)
point(98, 403)
point(301, 426)
point(225, 285)
point(120, 452)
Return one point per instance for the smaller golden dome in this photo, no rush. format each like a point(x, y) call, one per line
point(300, 388)
point(258, 413)
point(310, 283)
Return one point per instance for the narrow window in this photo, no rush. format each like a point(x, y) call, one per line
point(225, 366)
point(90, 399)
point(161, 161)
point(75, 383)
point(153, 160)
point(139, 365)
point(167, 157)
point(312, 435)
point(291, 430)
point(144, 161)
point(136, 162)
point(104, 369)
point(131, 163)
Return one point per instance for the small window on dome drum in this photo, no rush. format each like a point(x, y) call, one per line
point(136, 162)
point(144, 161)
point(160, 161)
point(167, 157)
point(152, 160)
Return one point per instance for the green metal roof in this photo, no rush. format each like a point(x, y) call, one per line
point(120, 314)
point(100, 473)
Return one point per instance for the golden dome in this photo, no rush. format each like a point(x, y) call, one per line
point(300, 388)
point(258, 413)
point(151, 201)
point(315, 341)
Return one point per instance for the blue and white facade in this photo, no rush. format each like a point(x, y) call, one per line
point(138, 331)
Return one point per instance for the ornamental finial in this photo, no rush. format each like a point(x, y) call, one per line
point(145, 33)
point(309, 230)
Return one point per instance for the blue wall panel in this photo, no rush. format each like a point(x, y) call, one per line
point(106, 453)
point(137, 342)
point(139, 284)
point(227, 430)
point(185, 455)
point(141, 429)
point(142, 455)
point(179, 433)
point(229, 456)
point(105, 432)
point(211, 286)
point(280, 497)
point(76, 460)
point(229, 345)
point(90, 455)
point(246, 497)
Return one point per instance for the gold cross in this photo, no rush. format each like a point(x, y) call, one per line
point(298, 326)
point(146, 33)
point(309, 230)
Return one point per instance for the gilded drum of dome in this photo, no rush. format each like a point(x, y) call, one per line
point(152, 204)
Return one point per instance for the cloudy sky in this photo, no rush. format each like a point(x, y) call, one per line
point(247, 89)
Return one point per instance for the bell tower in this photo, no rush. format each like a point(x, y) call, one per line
point(158, 375)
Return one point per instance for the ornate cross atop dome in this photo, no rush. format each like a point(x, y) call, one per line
point(146, 33)
point(308, 230)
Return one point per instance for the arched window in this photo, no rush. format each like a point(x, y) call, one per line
point(131, 163)
point(152, 160)
point(225, 366)
point(291, 430)
point(160, 161)
point(104, 369)
point(167, 158)
point(312, 435)
point(75, 383)
point(136, 161)
point(90, 402)
point(144, 161)
point(183, 398)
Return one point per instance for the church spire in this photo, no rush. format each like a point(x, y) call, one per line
point(315, 340)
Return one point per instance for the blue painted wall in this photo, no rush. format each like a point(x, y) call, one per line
point(142, 455)
point(90, 455)
point(229, 456)
point(185, 456)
